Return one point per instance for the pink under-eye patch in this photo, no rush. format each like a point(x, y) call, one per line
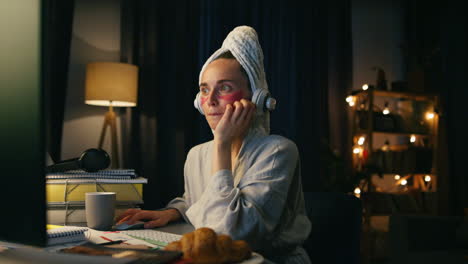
point(203, 99)
point(235, 96)
point(230, 98)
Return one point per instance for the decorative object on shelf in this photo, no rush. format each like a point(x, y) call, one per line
point(111, 84)
point(380, 82)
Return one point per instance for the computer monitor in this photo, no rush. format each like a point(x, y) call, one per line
point(22, 148)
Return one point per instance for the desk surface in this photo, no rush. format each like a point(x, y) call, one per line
point(26, 254)
point(179, 228)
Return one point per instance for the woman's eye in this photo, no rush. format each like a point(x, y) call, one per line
point(225, 88)
point(204, 91)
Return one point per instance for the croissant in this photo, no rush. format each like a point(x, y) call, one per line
point(204, 246)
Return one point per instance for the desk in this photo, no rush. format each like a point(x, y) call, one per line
point(26, 254)
point(179, 228)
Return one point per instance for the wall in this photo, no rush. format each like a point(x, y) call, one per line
point(95, 37)
point(378, 35)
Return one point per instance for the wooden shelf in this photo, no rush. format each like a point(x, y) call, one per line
point(361, 131)
point(406, 95)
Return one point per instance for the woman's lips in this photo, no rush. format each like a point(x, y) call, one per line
point(215, 114)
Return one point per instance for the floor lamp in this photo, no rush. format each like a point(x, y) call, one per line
point(111, 84)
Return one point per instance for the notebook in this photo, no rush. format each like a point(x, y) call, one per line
point(103, 174)
point(65, 234)
point(96, 180)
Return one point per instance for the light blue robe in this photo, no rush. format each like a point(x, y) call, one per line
point(260, 200)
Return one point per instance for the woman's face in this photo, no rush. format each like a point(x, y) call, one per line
point(222, 83)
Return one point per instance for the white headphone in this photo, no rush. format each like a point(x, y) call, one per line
point(261, 98)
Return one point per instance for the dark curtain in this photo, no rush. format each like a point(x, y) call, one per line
point(307, 52)
point(453, 90)
point(437, 46)
point(58, 21)
point(161, 37)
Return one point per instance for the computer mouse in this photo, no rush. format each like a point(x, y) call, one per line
point(125, 226)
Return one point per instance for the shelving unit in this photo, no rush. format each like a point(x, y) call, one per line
point(411, 122)
point(394, 137)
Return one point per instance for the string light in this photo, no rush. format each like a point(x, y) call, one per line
point(357, 150)
point(403, 182)
point(386, 146)
point(365, 87)
point(427, 178)
point(361, 141)
point(351, 100)
point(413, 138)
point(357, 190)
point(430, 115)
point(386, 111)
point(397, 177)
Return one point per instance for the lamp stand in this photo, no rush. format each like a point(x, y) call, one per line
point(110, 120)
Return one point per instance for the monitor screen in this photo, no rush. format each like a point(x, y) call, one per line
point(22, 158)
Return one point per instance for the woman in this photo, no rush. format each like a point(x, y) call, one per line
point(244, 183)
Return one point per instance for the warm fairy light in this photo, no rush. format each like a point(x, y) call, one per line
point(357, 150)
point(403, 182)
point(397, 177)
point(430, 115)
point(365, 87)
point(427, 178)
point(357, 190)
point(386, 146)
point(351, 100)
point(413, 138)
point(361, 141)
point(386, 110)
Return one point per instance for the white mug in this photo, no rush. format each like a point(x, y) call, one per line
point(100, 210)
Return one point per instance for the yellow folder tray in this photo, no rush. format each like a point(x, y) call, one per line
point(76, 192)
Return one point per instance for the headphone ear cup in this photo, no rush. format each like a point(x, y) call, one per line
point(197, 103)
point(263, 100)
point(93, 160)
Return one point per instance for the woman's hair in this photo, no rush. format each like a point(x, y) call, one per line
point(228, 55)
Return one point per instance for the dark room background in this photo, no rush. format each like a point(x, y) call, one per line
point(309, 64)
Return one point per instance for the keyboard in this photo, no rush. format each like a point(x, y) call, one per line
point(157, 238)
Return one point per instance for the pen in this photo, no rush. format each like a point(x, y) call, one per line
point(112, 242)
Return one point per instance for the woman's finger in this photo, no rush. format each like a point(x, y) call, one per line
point(127, 213)
point(123, 220)
point(248, 106)
point(227, 114)
point(238, 110)
point(155, 223)
point(144, 215)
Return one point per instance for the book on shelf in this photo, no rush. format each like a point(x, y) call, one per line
point(62, 191)
point(102, 174)
point(65, 234)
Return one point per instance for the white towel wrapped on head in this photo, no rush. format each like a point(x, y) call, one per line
point(244, 45)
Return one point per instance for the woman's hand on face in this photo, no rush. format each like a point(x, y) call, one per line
point(235, 121)
point(153, 218)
